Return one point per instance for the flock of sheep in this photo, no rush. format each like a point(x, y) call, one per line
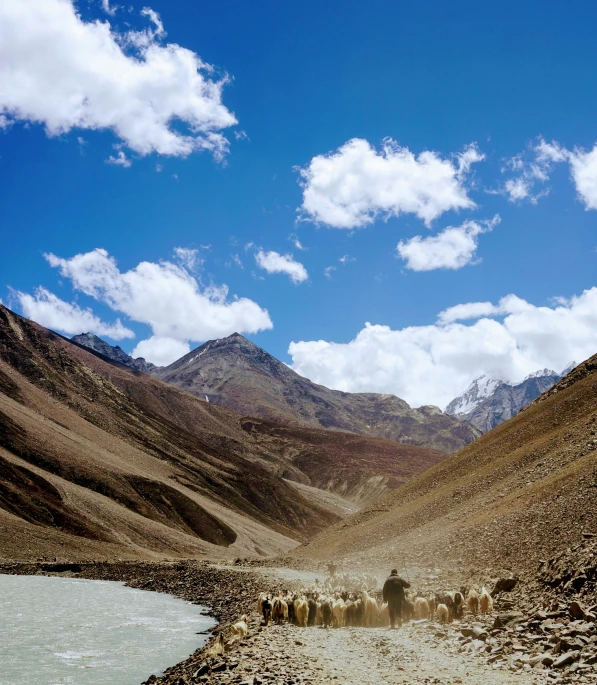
point(346, 600)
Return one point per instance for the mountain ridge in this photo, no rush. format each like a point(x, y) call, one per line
point(236, 373)
point(488, 402)
point(98, 460)
point(519, 494)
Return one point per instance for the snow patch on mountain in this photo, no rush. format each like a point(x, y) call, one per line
point(480, 389)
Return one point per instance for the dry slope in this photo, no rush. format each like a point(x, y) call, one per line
point(98, 460)
point(522, 492)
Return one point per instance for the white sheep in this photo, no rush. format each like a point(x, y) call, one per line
point(442, 613)
point(240, 628)
point(485, 602)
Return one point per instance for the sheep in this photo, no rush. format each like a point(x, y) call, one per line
point(312, 611)
point(421, 608)
point(301, 611)
point(218, 647)
point(279, 610)
point(263, 596)
point(338, 610)
point(485, 602)
point(370, 611)
point(240, 628)
point(472, 601)
point(266, 610)
point(431, 604)
point(384, 615)
point(442, 613)
point(458, 604)
point(326, 613)
point(408, 610)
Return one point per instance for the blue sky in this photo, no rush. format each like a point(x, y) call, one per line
point(304, 79)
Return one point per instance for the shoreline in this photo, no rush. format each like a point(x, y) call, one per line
point(226, 594)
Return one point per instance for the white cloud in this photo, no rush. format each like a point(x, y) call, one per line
point(65, 73)
point(187, 257)
point(511, 304)
point(583, 166)
point(274, 262)
point(453, 248)
point(435, 363)
point(535, 165)
point(120, 160)
point(52, 312)
point(165, 296)
point(108, 9)
point(161, 351)
point(296, 242)
point(346, 259)
point(328, 271)
point(354, 185)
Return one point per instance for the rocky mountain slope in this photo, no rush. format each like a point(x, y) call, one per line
point(487, 401)
point(520, 494)
point(99, 461)
point(235, 373)
point(115, 353)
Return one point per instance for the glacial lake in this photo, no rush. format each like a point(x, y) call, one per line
point(65, 631)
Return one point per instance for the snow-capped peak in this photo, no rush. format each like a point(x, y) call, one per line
point(480, 389)
point(540, 373)
point(570, 367)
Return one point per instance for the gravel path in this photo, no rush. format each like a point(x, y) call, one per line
point(287, 654)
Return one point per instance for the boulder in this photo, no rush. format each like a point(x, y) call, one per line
point(576, 610)
point(509, 618)
point(566, 659)
point(504, 585)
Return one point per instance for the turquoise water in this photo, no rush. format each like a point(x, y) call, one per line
point(64, 631)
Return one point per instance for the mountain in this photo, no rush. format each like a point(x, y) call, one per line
point(99, 461)
point(487, 401)
point(235, 373)
point(92, 342)
point(518, 495)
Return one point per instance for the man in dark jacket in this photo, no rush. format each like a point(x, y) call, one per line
point(393, 594)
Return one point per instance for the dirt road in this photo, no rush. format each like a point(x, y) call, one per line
point(287, 654)
point(416, 653)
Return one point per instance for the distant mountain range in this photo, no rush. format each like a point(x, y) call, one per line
point(487, 401)
point(101, 461)
point(236, 373)
point(92, 342)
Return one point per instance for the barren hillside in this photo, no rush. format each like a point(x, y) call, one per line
point(522, 492)
point(237, 374)
point(98, 460)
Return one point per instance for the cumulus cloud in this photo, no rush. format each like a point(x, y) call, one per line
point(161, 351)
point(453, 248)
point(274, 262)
point(66, 317)
point(583, 166)
point(356, 184)
point(65, 73)
point(534, 166)
point(165, 296)
point(435, 363)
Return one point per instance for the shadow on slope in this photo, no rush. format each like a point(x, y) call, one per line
point(519, 494)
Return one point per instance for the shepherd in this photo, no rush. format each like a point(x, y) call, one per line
point(393, 594)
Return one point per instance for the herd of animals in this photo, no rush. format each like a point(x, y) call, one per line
point(346, 600)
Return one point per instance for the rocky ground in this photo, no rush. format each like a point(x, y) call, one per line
point(544, 631)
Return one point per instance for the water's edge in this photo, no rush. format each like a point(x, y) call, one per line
point(223, 593)
point(77, 630)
